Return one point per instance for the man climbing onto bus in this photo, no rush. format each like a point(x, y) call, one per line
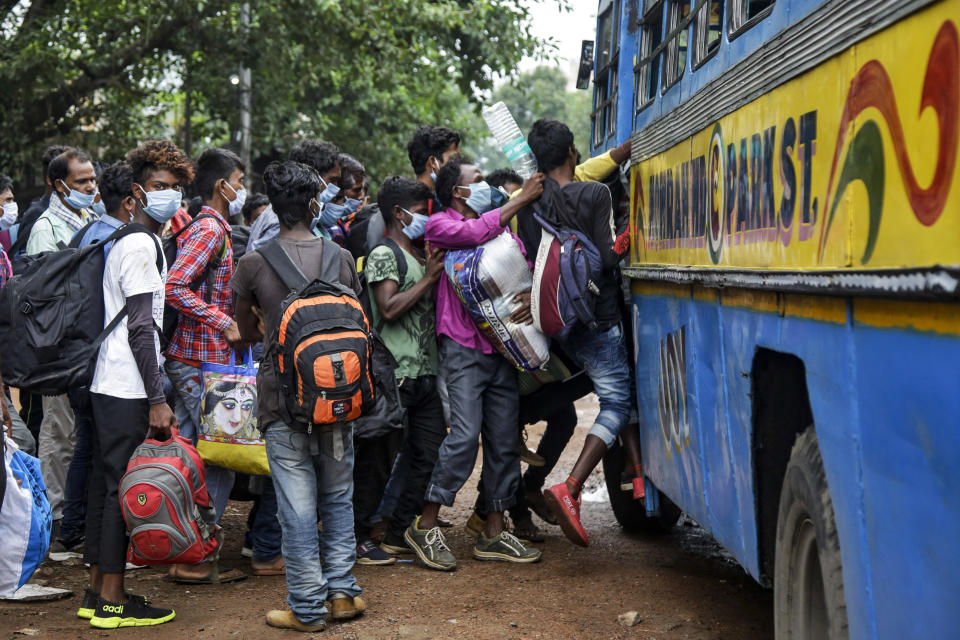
point(585, 208)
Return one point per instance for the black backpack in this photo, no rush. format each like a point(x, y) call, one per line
point(357, 241)
point(364, 296)
point(171, 316)
point(52, 317)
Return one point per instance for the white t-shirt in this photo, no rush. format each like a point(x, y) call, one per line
point(130, 270)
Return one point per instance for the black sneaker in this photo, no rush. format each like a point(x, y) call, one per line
point(135, 612)
point(60, 545)
point(371, 555)
point(89, 604)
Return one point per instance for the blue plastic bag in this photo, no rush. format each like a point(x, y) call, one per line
point(25, 519)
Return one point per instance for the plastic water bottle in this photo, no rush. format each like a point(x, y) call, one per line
point(511, 140)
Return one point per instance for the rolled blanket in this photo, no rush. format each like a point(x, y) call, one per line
point(486, 280)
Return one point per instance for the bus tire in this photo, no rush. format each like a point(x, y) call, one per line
point(809, 602)
point(630, 513)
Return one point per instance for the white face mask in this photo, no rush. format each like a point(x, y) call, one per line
point(161, 205)
point(240, 196)
point(9, 216)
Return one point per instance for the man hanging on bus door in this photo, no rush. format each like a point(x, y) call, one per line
point(587, 209)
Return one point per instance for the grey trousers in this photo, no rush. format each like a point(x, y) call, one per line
point(483, 404)
point(21, 434)
point(58, 435)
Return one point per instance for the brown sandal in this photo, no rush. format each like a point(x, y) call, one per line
point(215, 576)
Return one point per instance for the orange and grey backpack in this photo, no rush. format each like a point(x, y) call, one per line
point(321, 348)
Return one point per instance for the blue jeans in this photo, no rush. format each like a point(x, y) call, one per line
point(314, 474)
point(603, 356)
point(188, 387)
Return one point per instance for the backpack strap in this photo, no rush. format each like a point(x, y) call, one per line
point(123, 232)
point(330, 259)
point(129, 229)
point(78, 236)
point(207, 275)
point(398, 255)
point(288, 272)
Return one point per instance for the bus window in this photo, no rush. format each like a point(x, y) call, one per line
point(605, 81)
point(746, 13)
point(707, 31)
point(647, 71)
point(676, 60)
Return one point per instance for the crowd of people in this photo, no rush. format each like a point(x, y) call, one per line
point(334, 497)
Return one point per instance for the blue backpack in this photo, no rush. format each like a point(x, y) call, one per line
point(564, 281)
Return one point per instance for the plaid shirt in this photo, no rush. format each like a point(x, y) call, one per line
point(199, 336)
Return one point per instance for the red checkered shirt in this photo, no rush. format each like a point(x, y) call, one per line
point(199, 335)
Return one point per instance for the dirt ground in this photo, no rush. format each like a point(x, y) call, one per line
point(682, 584)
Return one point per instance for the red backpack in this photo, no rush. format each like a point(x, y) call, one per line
point(165, 504)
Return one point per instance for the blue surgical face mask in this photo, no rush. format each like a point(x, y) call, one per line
point(161, 205)
point(329, 192)
point(480, 198)
point(353, 204)
point(78, 199)
point(240, 196)
point(334, 212)
point(327, 217)
point(99, 208)
point(416, 227)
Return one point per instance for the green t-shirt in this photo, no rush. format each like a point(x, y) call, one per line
point(413, 338)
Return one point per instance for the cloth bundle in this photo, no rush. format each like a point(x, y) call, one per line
point(487, 279)
point(26, 518)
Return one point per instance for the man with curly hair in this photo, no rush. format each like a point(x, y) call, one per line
point(127, 390)
point(115, 193)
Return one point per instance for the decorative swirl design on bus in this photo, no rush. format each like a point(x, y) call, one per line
point(871, 87)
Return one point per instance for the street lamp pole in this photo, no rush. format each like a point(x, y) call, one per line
point(245, 97)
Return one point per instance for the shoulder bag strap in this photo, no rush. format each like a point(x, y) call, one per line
point(400, 258)
point(330, 262)
point(288, 272)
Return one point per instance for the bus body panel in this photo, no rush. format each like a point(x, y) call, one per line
point(884, 402)
point(819, 218)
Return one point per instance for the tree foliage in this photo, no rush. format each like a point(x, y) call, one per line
point(531, 95)
point(106, 74)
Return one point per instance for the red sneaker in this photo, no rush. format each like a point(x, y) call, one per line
point(567, 511)
point(639, 491)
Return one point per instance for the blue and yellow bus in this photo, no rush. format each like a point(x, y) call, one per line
point(795, 281)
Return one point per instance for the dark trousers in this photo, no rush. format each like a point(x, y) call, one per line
point(75, 498)
point(425, 432)
point(483, 404)
point(265, 534)
point(119, 427)
point(31, 410)
point(373, 460)
point(560, 426)
point(554, 404)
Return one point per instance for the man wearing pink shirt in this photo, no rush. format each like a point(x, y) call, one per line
point(481, 383)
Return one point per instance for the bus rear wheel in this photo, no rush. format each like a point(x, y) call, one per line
point(808, 573)
point(630, 513)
